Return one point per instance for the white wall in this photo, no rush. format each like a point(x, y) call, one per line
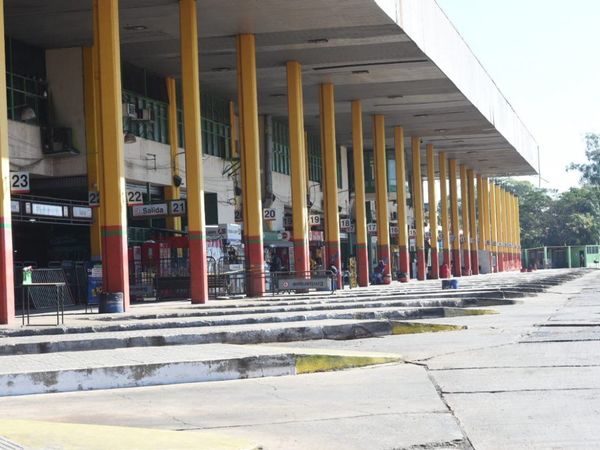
point(64, 69)
point(25, 147)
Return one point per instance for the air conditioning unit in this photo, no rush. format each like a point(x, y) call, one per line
point(144, 114)
point(57, 141)
point(130, 110)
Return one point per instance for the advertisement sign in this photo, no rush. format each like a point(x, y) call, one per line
point(42, 209)
point(159, 209)
point(82, 212)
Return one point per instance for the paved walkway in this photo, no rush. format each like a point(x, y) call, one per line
point(524, 378)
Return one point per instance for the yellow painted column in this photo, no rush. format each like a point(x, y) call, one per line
point(487, 221)
point(330, 190)
point(493, 225)
point(513, 228)
point(404, 253)
point(418, 206)
point(509, 220)
point(7, 288)
point(464, 190)
point(381, 187)
point(473, 223)
point(92, 133)
point(190, 81)
point(248, 105)
point(520, 250)
point(482, 223)
point(172, 191)
point(114, 228)
point(443, 163)
point(298, 168)
point(500, 227)
point(455, 238)
point(433, 222)
point(359, 195)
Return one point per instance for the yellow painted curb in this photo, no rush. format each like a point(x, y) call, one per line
point(457, 312)
point(327, 363)
point(32, 434)
point(415, 328)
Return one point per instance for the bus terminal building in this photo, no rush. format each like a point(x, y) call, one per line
point(181, 138)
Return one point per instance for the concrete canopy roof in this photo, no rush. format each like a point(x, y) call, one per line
point(402, 58)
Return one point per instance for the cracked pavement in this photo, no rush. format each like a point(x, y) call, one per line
point(528, 377)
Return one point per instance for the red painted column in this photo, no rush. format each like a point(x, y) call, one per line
point(466, 244)
point(360, 208)
point(404, 256)
point(433, 221)
point(114, 227)
point(362, 261)
point(7, 288)
point(418, 206)
point(473, 223)
point(456, 260)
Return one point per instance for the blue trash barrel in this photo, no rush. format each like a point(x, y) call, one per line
point(450, 284)
point(111, 303)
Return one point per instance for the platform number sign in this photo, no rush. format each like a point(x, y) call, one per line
point(135, 197)
point(177, 207)
point(19, 182)
point(345, 224)
point(94, 198)
point(314, 220)
point(269, 214)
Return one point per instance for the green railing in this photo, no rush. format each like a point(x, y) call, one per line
point(315, 168)
point(370, 172)
point(281, 148)
point(152, 123)
point(25, 94)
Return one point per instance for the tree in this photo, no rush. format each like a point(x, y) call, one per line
point(575, 217)
point(535, 206)
point(590, 171)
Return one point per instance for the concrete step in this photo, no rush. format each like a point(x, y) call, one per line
point(267, 315)
point(359, 325)
point(120, 368)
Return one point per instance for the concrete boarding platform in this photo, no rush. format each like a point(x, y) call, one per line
point(104, 369)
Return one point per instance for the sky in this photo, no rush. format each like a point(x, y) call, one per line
point(544, 56)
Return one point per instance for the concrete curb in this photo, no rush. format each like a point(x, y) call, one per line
point(271, 363)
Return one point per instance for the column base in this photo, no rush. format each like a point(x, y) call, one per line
point(435, 264)
point(404, 265)
point(456, 263)
point(421, 269)
point(198, 268)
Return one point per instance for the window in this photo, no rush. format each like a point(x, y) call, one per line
point(315, 166)
point(25, 82)
point(148, 92)
point(338, 160)
point(369, 162)
point(281, 148)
